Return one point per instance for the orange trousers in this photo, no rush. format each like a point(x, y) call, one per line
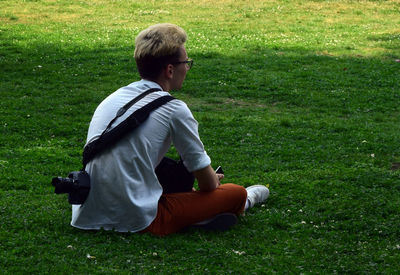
point(177, 211)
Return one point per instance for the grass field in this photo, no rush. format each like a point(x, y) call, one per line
point(301, 95)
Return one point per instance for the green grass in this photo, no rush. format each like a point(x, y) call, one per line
point(302, 95)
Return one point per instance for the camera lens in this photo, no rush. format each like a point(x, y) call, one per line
point(62, 185)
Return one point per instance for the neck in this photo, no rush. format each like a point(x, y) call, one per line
point(164, 84)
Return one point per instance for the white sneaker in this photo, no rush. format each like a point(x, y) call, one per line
point(256, 194)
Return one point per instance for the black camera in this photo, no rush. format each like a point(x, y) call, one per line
point(77, 186)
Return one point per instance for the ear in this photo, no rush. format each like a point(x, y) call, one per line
point(169, 71)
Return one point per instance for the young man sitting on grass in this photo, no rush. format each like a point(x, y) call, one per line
point(126, 194)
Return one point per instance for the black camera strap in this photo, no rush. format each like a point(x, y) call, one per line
point(110, 137)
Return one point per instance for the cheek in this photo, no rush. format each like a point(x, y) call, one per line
point(183, 73)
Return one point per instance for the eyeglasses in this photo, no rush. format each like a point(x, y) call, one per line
point(188, 62)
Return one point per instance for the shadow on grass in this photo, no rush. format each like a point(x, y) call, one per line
point(71, 82)
point(321, 129)
point(49, 94)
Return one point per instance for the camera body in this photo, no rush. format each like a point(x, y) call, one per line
point(77, 186)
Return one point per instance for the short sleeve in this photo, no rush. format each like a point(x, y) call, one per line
point(186, 139)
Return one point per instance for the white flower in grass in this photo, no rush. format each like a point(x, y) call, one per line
point(372, 155)
point(90, 257)
point(238, 252)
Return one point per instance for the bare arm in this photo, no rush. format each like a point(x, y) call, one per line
point(207, 179)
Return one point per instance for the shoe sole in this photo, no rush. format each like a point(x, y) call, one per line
point(221, 222)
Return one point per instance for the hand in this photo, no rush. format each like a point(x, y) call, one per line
point(220, 177)
point(207, 179)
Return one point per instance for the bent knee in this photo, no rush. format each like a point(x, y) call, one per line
point(237, 192)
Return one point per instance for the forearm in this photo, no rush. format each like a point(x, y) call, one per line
point(207, 179)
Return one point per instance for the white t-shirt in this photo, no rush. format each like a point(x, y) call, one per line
point(124, 187)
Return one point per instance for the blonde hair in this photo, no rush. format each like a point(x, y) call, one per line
point(157, 46)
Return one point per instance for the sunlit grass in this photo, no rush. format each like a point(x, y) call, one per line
point(321, 25)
